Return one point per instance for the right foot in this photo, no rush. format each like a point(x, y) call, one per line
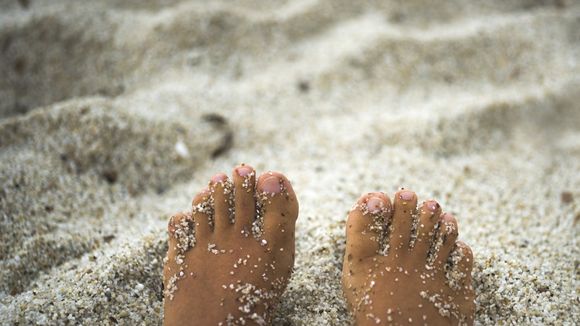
point(231, 256)
point(403, 265)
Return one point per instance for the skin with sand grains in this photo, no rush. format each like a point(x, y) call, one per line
point(403, 264)
point(230, 257)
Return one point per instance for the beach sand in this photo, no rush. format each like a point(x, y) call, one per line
point(114, 114)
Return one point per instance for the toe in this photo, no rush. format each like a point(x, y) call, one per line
point(181, 232)
point(405, 210)
point(429, 213)
point(365, 229)
point(223, 196)
point(174, 223)
point(277, 208)
point(181, 238)
point(448, 232)
point(459, 278)
point(244, 192)
point(202, 213)
point(465, 263)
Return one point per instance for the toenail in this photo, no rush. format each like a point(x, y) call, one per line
point(447, 218)
point(271, 185)
point(406, 195)
point(432, 205)
point(201, 196)
point(375, 204)
point(244, 171)
point(171, 225)
point(220, 177)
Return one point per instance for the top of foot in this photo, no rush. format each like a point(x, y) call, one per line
point(231, 255)
point(403, 264)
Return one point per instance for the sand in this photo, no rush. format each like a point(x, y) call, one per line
point(114, 114)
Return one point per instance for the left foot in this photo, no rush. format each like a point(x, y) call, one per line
point(403, 265)
point(231, 256)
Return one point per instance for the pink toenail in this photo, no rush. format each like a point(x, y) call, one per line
point(271, 185)
point(244, 171)
point(432, 206)
point(406, 195)
point(219, 178)
point(374, 205)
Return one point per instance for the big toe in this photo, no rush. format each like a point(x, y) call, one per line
point(365, 230)
point(277, 207)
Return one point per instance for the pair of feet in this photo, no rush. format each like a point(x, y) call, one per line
point(231, 256)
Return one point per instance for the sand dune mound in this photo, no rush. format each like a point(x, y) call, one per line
point(114, 113)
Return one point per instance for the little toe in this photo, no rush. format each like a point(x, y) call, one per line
point(174, 221)
point(404, 213)
point(181, 233)
point(459, 278)
point(429, 213)
point(446, 239)
point(202, 213)
point(181, 239)
point(223, 197)
point(245, 202)
point(465, 261)
point(277, 207)
point(366, 223)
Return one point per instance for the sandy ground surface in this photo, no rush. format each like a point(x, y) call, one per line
point(114, 114)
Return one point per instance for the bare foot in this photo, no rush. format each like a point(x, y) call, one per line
point(404, 266)
point(231, 256)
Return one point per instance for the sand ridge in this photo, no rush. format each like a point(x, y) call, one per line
point(115, 118)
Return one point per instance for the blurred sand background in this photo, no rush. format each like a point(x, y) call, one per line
point(114, 113)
